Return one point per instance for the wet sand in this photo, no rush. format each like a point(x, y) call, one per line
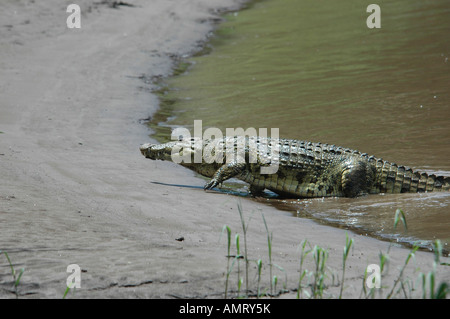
point(76, 190)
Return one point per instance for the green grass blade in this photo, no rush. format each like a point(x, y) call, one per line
point(20, 276)
point(400, 215)
point(442, 291)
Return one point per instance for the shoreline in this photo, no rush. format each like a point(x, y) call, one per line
point(161, 131)
point(76, 189)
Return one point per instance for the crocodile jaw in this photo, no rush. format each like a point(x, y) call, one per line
point(144, 147)
point(156, 151)
point(171, 151)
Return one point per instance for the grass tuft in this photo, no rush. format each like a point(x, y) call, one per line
point(16, 277)
point(348, 245)
point(315, 283)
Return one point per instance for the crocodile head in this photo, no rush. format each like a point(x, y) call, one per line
point(171, 151)
point(157, 151)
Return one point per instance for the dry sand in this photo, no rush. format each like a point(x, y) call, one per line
point(75, 189)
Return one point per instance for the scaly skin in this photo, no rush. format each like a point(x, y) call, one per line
point(305, 169)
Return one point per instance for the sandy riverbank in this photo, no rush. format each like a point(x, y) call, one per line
point(76, 190)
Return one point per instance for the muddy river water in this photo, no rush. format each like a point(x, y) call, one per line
point(316, 71)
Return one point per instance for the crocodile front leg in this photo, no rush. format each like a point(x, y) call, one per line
point(225, 172)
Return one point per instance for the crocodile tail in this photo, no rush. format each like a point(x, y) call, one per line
point(393, 178)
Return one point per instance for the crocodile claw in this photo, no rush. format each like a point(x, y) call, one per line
point(211, 184)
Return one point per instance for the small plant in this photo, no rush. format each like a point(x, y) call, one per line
point(269, 244)
point(443, 289)
point(228, 257)
point(274, 282)
point(400, 276)
point(320, 256)
point(238, 257)
point(400, 215)
point(244, 229)
point(275, 278)
point(259, 266)
point(437, 248)
point(16, 278)
point(348, 245)
point(302, 272)
point(67, 291)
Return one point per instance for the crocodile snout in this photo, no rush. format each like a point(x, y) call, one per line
point(144, 148)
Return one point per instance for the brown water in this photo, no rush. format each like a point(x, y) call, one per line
point(315, 70)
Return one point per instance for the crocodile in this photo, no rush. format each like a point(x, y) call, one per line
point(303, 169)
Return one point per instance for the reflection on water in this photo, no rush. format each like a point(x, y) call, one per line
point(315, 71)
point(374, 216)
